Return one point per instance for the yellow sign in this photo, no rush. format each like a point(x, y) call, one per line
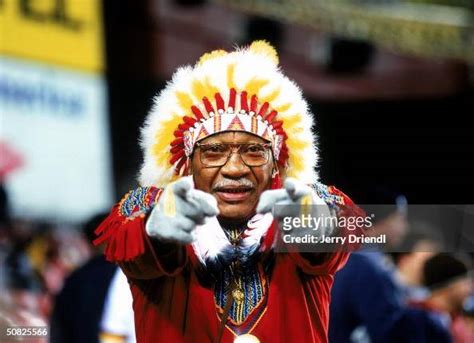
point(64, 32)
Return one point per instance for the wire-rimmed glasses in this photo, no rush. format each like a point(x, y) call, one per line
point(217, 154)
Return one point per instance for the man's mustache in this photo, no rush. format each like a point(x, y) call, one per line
point(225, 183)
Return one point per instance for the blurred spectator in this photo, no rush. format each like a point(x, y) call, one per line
point(394, 227)
point(50, 250)
point(447, 277)
point(79, 306)
point(118, 325)
point(368, 304)
point(419, 244)
point(20, 294)
point(44, 253)
point(20, 288)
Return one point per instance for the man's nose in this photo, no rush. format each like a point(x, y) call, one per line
point(235, 167)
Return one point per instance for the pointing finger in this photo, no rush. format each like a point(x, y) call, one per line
point(295, 189)
point(269, 198)
point(205, 202)
point(182, 187)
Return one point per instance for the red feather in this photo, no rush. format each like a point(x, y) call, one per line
point(219, 101)
point(177, 141)
point(175, 149)
point(207, 105)
point(177, 156)
point(243, 101)
point(188, 120)
point(232, 94)
point(183, 127)
point(197, 112)
point(263, 109)
point(253, 104)
point(277, 124)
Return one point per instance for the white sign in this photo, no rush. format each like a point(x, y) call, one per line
point(56, 120)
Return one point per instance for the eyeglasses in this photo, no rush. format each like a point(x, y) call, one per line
point(217, 154)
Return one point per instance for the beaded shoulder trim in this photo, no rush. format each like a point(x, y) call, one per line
point(329, 194)
point(138, 202)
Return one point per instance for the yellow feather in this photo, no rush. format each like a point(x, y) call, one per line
point(203, 89)
point(198, 89)
point(211, 55)
point(254, 85)
point(292, 122)
point(270, 97)
point(163, 139)
point(211, 90)
point(295, 149)
point(283, 108)
point(264, 48)
point(184, 101)
point(295, 130)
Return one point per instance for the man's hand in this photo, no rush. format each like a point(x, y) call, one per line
point(288, 199)
point(293, 200)
point(179, 210)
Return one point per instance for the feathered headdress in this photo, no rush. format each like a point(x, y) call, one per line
point(243, 90)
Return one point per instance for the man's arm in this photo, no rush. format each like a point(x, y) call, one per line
point(128, 244)
point(147, 232)
point(317, 263)
point(326, 205)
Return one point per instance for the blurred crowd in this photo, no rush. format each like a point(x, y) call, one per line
point(412, 291)
point(51, 275)
point(35, 259)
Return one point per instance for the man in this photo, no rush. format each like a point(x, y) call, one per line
point(449, 279)
point(420, 243)
point(369, 306)
point(370, 299)
point(226, 141)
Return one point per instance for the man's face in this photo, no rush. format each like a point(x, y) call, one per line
point(236, 186)
point(458, 291)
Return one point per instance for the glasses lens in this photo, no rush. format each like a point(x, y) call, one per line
point(254, 154)
point(214, 154)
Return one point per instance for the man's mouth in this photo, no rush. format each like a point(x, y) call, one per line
point(233, 194)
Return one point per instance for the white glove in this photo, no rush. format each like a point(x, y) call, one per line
point(179, 210)
point(293, 200)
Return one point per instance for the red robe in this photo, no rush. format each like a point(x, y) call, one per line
point(173, 304)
